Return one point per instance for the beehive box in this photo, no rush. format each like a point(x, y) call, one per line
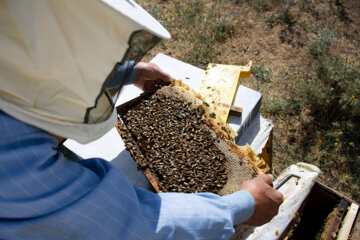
point(322, 216)
point(177, 142)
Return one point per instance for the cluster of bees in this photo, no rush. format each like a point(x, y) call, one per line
point(172, 139)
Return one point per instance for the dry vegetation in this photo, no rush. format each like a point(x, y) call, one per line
point(306, 64)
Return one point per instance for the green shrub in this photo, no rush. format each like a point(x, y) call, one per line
point(342, 14)
point(319, 48)
point(332, 98)
point(289, 106)
point(239, 1)
point(304, 25)
point(222, 30)
point(283, 17)
point(302, 4)
point(261, 72)
point(155, 11)
point(192, 12)
point(261, 5)
point(272, 20)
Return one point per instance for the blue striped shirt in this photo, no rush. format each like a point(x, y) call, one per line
point(43, 195)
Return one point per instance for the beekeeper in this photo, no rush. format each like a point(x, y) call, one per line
point(62, 64)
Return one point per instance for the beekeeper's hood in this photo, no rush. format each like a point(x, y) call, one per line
point(56, 56)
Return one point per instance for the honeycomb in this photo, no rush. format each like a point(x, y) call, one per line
point(170, 136)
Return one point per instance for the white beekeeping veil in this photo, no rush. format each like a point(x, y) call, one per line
point(56, 56)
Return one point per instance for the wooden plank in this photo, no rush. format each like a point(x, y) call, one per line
point(235, 111)
point(219, 86)
point(136, 153)
point(266, 153)
point(348, 222)
point(355, 232)
point(340, 212)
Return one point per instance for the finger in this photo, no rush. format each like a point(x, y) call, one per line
point(159, 83)
point(163, 75)
point(149, 86)
point(166, 77)
point(276, 196)
point(153, 85)
point(279, 197)
point(267, 178)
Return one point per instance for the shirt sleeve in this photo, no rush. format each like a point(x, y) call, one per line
point(125, 74)
point(45, 196)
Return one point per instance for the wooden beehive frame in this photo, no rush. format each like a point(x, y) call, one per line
point(244, 152)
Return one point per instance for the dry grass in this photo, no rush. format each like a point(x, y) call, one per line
point(276, 34)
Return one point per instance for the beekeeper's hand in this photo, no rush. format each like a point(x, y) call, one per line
point(267, 199)
point(149, 76)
